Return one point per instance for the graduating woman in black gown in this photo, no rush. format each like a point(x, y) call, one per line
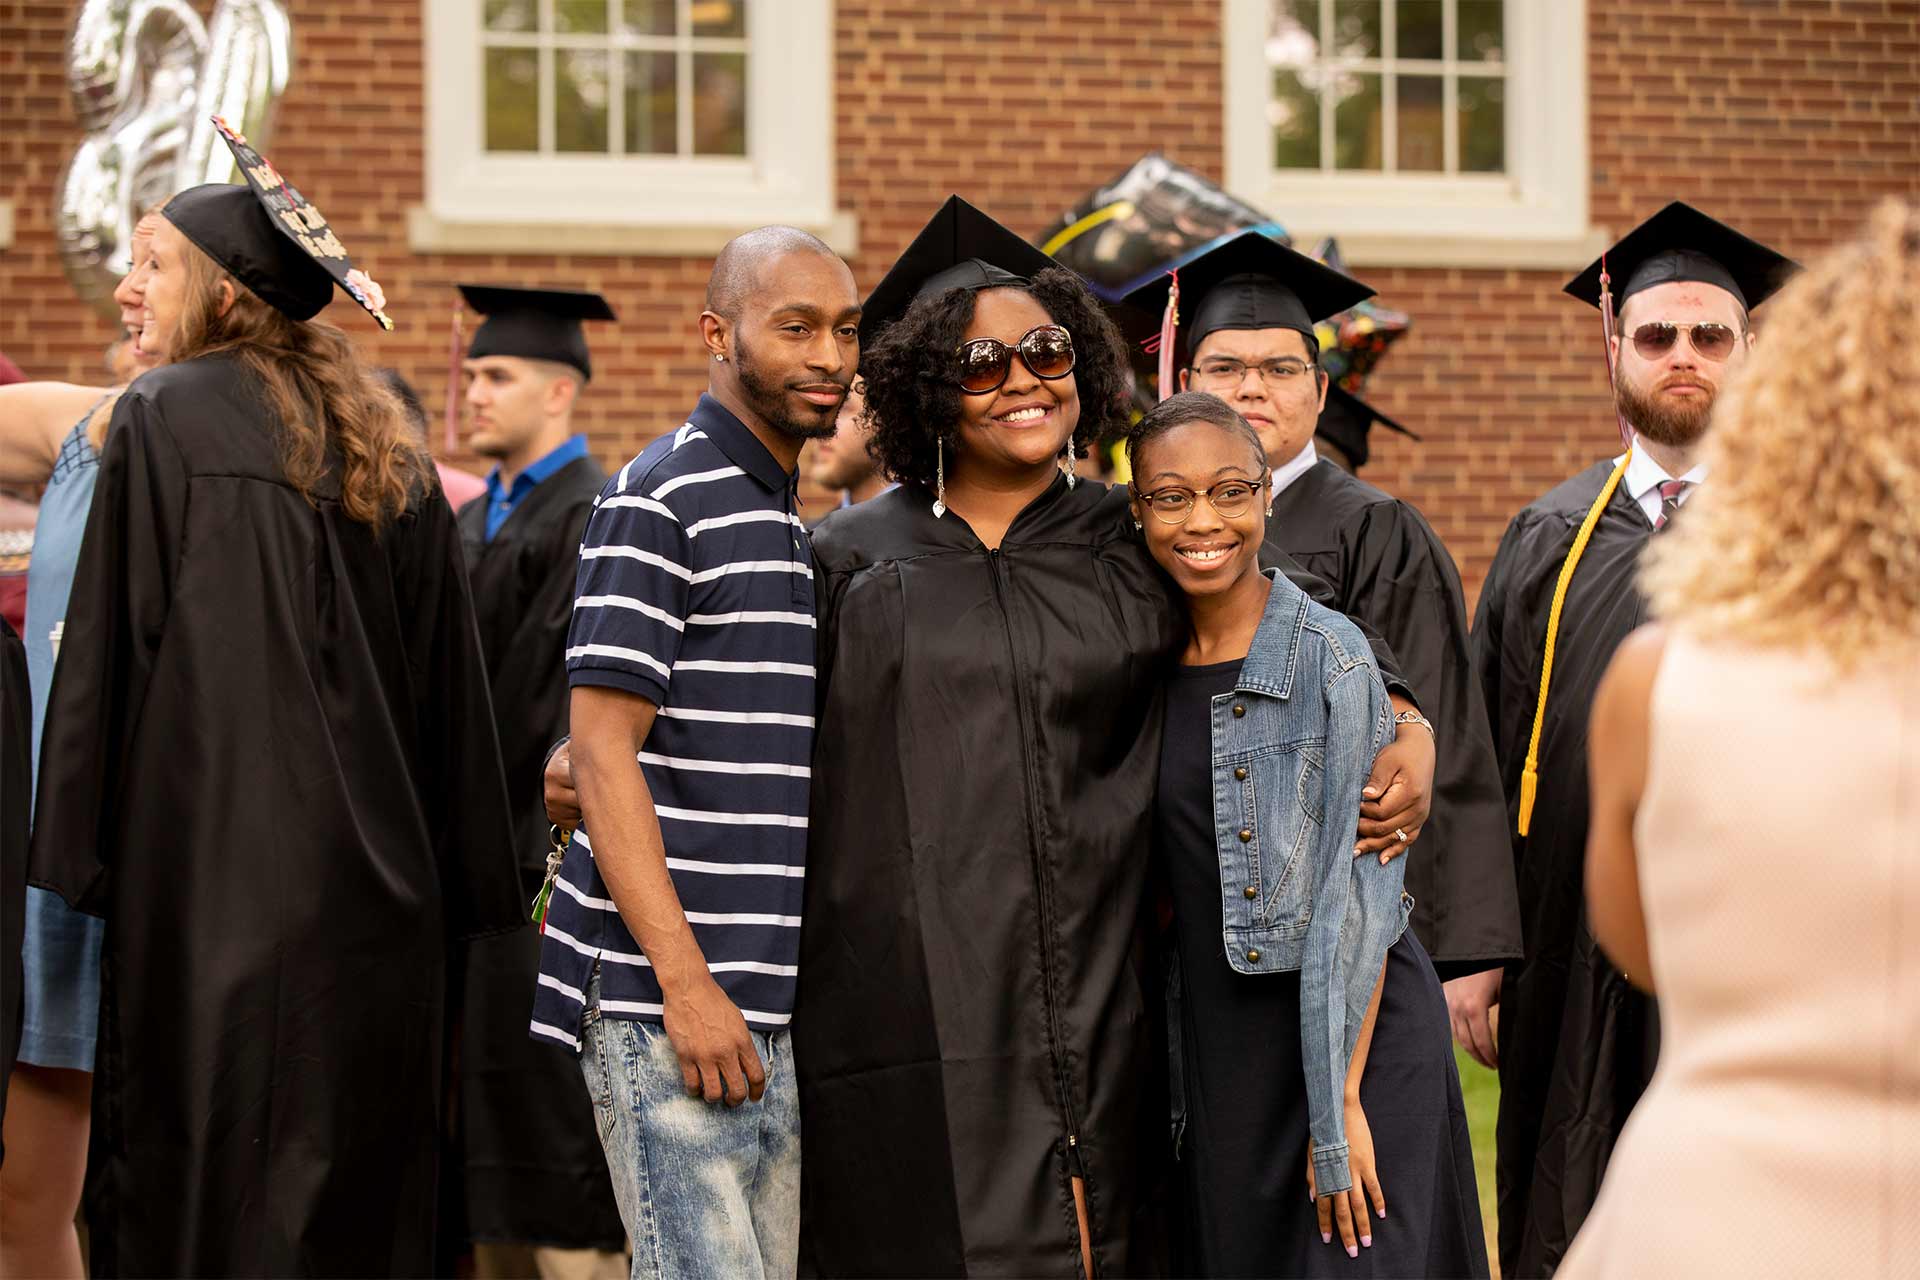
point(978, 1062)
point(1243, 1082)
point(269, 762)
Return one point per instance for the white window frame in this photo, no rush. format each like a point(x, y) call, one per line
point(1533, 215)
point(649, 204)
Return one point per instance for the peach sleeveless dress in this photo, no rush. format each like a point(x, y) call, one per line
point(1779, 855)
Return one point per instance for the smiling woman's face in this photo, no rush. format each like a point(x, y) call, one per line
point(1207, 553)
point(1024, 425)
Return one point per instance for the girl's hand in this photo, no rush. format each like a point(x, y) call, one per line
point(1347, 1210)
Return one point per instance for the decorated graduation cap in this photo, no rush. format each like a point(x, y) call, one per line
point(1251, 281)
point(1681, 243)
point(1346, 420)
point(961, 248)
point(271, 238)
point(534, 324)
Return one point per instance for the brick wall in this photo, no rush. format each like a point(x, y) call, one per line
point(1786, 116)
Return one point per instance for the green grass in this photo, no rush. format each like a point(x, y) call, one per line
point(1481, 1090)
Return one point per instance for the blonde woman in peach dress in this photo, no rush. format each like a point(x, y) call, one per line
point(1754, 858)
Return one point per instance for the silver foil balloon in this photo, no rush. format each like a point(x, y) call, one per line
point(143, 75)
point(249, 59)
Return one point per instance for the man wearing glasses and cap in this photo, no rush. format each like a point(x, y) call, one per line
point(534, 1174)
point(1576, 1042)
point(1245, 313)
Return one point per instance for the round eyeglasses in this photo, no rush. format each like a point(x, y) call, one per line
point(1230, 498)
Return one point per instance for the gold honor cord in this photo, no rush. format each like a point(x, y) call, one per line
point(1530, 776)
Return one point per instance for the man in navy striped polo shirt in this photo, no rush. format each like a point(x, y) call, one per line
point(673, 932)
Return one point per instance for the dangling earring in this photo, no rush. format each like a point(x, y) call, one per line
point(1137, 526)
point(1066, 463)
point(939, 478)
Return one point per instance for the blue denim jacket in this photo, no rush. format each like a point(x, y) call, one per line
point(1293, 745)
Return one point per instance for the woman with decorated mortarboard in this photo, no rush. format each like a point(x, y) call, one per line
point(1577, 1042)
point(979, 1065)
point(270, 764)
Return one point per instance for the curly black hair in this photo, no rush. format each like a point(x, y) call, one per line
point(913, 400)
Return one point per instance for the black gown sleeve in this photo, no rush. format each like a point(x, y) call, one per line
point(1487, 639)
point(16, 780)
point(1405, 583)
point(462, 787)
point(116, 618)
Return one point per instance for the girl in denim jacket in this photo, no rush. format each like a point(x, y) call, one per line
point(1306, 1011)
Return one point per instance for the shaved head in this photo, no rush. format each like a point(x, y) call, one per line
point(737, 271)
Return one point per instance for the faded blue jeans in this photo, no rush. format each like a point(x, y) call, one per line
point(704, 1189)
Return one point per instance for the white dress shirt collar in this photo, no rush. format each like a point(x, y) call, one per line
point(1644, 478)
point(1292, 469)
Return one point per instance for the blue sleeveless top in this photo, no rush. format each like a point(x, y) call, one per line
point(56, 553)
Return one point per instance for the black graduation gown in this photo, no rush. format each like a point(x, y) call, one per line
point(1387, 565)
point(973, 1024)
point(270, 763)
point(16, 781)
point(1577, 1043)
point(534, 1169)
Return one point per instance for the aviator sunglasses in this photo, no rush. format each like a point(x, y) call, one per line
point(1712, 341)
point(984, 363)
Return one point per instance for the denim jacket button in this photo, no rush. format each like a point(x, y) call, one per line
point(1246, 834)
point(1253, 956)
point(1239, 710)
point(1240, 774)
point(1251, 891)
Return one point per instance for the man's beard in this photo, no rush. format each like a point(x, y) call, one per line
point(1664, 420)
point(769, 399)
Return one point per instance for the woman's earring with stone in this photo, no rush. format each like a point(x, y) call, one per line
point(939, 478)
point(1066, 463)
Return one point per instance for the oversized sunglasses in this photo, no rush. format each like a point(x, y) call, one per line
point(1711, 341)
point(1230, 497)
point(984, 363)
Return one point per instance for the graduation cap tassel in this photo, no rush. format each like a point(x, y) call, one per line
point(1608, 333)
point(450, 425)
point(1169, 325)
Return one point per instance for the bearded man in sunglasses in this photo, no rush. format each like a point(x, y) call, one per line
point(1575, 1043)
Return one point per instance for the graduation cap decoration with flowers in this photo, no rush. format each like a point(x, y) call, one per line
point(271, 238)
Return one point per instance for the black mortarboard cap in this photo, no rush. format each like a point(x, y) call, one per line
point(1346, 420)
point(961, 248)
point(1251, 281)
point(1682, 243)
point(269, 237)
point(534, 324)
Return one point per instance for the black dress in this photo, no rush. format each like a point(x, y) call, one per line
point(534, 1169)
point(1388, 567)
point(1577, 1041)
point(270, 763)
point(1243, 1157)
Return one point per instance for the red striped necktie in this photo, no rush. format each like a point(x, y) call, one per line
point(1670, 491)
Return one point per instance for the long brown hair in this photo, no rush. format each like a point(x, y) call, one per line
point(328, 402)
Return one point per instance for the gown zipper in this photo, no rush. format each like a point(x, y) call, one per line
point(1043, 880)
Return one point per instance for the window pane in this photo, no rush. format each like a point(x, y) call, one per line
point(1356, 121)
point(510, 15)
point(650, 103)
point(579, 100)
point(1292, 18)
point(1418, 33)
point(513, 100)
point(1483, 125)
point(1356, 28)
point(719, 17)
point(647, 17)
point(580, 17)
point(1482, 34)
point(720, 104)
point(1294, 112)
point(1421, 145)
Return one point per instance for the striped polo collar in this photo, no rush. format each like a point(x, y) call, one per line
point(742, 447)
